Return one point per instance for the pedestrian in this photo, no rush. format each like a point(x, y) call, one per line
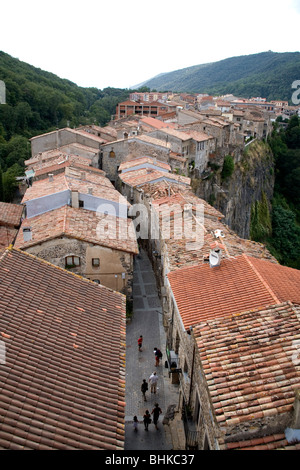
point(140, 342)
point(135, 423)
point(153, 382)
point(147, 419)
point(158, 356)
point(144, 388)
point(156, 412)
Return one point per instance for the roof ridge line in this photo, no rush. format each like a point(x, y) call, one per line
point(261, 278)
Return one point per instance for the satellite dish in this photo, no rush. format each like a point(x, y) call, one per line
point(215, 258)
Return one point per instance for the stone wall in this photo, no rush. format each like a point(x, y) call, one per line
point(115, 270)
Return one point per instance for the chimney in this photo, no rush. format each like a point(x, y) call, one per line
point(215, 255)
point(75, 199)
point(90, 190)
point(50, 177)
point(27, 234)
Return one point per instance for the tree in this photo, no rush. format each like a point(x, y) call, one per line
point(1, 185)
point(228, 167)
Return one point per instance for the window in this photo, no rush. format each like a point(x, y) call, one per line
point(96, 281)
point(96, 262)
point(72, 261)
point(81, 203)
point(112, 154)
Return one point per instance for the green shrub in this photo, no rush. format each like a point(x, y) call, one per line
point(228, 167)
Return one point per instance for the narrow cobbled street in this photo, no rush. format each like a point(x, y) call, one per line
point(146, 321)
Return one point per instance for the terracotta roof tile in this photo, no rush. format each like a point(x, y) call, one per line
point(249, 362)
point(145, 175)
point(142, 160)
point(10, 214)
point(55, 395)
point(74, 179)
point(204, 293)
point(89, 226)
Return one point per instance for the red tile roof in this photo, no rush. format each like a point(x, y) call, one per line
point(63, 382)
point(237, 285)
point(143, 176)
point(7, 237)
point(143, 160)
point(271, 442)
point(251, 364)
point(10, 214)
point(104, 230)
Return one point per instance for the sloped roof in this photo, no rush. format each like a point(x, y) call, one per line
point(85, 225)
point(62, 385)
point(156, 123)
point(251, 364)
point(10, 214)
point(7, 236)
point(142, 176)
point(63, 181)
point(143, 160)
point(239, 284)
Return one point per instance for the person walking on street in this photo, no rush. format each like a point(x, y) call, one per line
point(144, 388)
point(156, 412)
point(147, 419)
point(135, 423)
point(158, 356)
point(140, 342)
point(153, 382)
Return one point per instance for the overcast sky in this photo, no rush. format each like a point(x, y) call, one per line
point(121, 43)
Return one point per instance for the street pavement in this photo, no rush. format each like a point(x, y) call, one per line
point(146, 321)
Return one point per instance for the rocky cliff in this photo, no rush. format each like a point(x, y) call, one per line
point(236, 192)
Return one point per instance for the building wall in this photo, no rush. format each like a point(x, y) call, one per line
point(115, 270)
point(60, 138)
point(117, 152)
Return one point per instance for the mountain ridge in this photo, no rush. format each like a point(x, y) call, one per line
point(267, 74)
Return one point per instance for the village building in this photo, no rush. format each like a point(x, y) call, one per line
point(234, 340)
point(149, 96)
point(115, 153)
point(78, 221)
point(142, 108)
point(62, 364)
point(10, 221)
point(64, 137)
point(191, 145)
point(135, 174)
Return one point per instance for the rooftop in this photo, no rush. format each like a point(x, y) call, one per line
point(62, 385)
point(243, 283)
point(139, 177)
point(10, 214)
point(180, 250)
point(141, 161)
point(249, 362)
point(78, 179)
point(89, 226)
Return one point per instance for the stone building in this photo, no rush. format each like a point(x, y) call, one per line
point(63, 137)
point(235, 334)
point(115, 153)
point(78, 221)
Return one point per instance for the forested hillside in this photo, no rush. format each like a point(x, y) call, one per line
point(284, 238)
point(38, 102)
point(286, 204)
point(268, 74)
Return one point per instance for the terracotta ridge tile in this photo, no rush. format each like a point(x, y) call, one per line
point(261, 279)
